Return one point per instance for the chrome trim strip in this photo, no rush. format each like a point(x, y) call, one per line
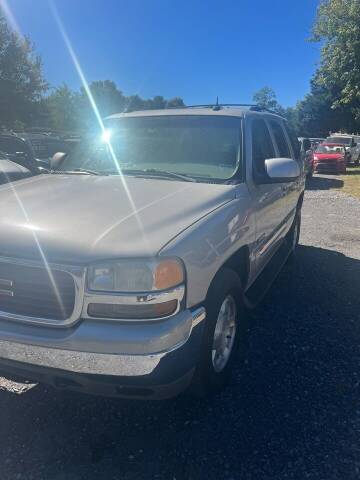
point(198, 316)
point(177, 293)
point(7, 293)
point(78, 275)
point(275, 236)
point(80, 362)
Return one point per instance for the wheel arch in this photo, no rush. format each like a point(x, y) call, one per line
point(238, 262)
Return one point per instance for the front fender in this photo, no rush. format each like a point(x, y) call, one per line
point(209, 243)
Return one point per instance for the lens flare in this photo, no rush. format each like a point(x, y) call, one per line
point(10, 17)
point(96, 112)
point(14, 25)
point(106, 136)
point(38, 245)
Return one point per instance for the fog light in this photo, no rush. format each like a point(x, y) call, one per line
point(139, 312)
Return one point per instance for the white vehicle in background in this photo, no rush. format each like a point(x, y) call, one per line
point(351, 143)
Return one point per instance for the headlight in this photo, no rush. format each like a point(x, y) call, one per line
point(133, 275)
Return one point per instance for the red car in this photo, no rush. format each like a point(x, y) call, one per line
point(330, 158)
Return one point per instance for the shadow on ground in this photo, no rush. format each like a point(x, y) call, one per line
point(293, 410)
point(353, 171)
point(323, 183)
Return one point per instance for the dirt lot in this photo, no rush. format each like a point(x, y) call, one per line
point(293, 412)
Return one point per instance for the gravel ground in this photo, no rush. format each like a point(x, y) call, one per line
point(293, 412)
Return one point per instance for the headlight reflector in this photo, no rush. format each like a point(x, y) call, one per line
point(133, 275)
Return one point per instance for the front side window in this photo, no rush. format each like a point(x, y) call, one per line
point(202, 147)
point(262, 146)
point(280, 139)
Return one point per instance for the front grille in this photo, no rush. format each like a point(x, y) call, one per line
point(33, 292)
point(326, 164)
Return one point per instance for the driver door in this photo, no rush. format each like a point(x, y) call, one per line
point(268, 197)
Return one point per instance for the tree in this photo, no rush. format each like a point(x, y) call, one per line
point(21, 82)
point(337, 26)
point(266, 98)
point(107, 98)
point(175, 102)
point(62, 109)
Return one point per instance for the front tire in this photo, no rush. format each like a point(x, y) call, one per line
point(225, 332)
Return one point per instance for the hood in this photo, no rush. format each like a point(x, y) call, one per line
point(81, 218)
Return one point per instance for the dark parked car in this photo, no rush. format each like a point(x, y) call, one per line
point(11, 171)
point(31, 150)
point(306, 154)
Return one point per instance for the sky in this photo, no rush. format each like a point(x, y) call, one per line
point(195, 49)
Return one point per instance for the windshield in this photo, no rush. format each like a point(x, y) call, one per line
point(330, 149)
point(343, 140)
point(203, 147)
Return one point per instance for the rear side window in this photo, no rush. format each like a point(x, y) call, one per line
point(262, 146)
point(280, 139)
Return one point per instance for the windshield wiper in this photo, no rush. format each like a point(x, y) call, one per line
point(156, 172)
point(79, 170)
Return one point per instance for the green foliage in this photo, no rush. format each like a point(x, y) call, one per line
point(60, 109)
point(333, 103)
point(266, 98)
point(107, 97)
point(21, 81)
point(338, 27)
point(67, 110)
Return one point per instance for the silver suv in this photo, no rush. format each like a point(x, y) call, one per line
point(128, 270)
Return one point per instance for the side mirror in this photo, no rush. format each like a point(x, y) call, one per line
point(57, 159)
point(282, 170)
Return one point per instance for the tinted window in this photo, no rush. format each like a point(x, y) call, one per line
point(280, 139)
point(262, 146)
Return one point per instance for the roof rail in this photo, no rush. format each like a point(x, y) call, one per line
point(211, 105)
point(217, 106)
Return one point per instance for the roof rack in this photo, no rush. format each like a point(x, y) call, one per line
point(217, 106)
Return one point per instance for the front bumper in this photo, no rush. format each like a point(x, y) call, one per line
point(329, 167)
point(148, 359)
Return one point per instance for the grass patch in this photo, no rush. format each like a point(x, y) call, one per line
point(351, 182)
